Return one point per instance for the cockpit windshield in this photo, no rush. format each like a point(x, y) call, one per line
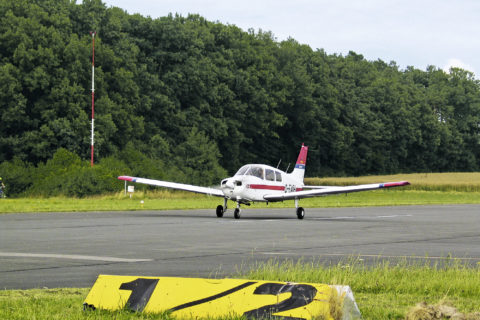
point(251, 170)
point(242, 171)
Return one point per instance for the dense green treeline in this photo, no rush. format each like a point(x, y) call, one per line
point(198, 99)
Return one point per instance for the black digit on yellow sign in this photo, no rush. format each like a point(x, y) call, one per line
point(214, 297)
point(302, 295)
point(142, 290)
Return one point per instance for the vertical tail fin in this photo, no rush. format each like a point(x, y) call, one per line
point(299, 171)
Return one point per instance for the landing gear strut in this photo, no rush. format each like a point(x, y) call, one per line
point(236, 213)
point(221, 209)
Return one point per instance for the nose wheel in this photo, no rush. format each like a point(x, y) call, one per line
point(236, 213)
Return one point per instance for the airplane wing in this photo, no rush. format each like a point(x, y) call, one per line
point(332, 190)
point(318, 187)
point(174, 185)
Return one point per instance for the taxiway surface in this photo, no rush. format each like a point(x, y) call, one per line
point(71, 249)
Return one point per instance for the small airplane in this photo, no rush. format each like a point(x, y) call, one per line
point(263, 183)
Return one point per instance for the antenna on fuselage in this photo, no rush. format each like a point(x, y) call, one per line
point(279, 163)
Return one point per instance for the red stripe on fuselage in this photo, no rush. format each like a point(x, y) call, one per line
point(266, 187)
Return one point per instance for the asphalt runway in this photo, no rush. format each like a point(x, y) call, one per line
point(71, 249)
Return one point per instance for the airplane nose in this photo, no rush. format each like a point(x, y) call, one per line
point(227, 183)
point(231, 187)
point(231, 183)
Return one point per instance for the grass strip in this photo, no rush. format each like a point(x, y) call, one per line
point(449, 181)
point(384, 291)
point(165, 200)
point(425, 188)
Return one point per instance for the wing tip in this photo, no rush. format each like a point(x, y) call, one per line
point(126, 178)
point(395, 184)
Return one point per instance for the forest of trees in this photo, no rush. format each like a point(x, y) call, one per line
point(186, 99)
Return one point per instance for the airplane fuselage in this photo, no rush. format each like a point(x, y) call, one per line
point(253, 181)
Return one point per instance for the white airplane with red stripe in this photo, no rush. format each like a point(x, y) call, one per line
point(263, 183)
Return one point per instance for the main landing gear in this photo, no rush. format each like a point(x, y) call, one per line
point(300, 213)
point(300, 210)
point(236, 213)
point(221, 209)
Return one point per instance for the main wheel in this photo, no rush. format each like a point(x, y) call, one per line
point(300, 213)
point(236, 213)
point(220, 211)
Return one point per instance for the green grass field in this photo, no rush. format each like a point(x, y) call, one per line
point(181, 200)
point(384, 291)
point(452, 181)
point(425, 188)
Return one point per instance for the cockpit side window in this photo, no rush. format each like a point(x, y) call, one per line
point(269, 174)
point(278, 175)
point(256, 172)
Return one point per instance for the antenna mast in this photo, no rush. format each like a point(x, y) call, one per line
point(279, 163)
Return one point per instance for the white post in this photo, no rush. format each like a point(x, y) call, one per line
point(93, 94)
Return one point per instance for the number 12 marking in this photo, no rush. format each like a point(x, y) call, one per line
point(302, 295)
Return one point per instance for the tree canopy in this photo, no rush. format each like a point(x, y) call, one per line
point(196, 96)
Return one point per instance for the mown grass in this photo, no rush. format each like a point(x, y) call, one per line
point(53, 304)
point(384, 291)
point(167, 200)
point(451, 181)
point(425, 188)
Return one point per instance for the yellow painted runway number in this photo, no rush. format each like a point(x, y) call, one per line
point(187, 297)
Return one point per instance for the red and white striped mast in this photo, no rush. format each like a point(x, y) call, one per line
point(93, 93)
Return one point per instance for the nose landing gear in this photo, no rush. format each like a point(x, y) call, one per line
point(236, 212)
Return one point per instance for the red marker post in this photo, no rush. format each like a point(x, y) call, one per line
point(93, 33)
